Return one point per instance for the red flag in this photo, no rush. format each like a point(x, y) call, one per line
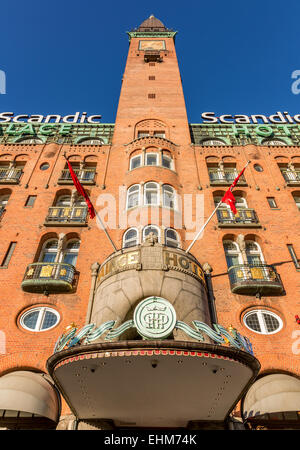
point(229, 197)
point(81, 191)
point(230, 200)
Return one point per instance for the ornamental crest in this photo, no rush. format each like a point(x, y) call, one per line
point(154, 318)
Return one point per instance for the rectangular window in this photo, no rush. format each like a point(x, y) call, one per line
point(272, 202)
point(151, 77)
point(151, 95)
point(30, 200)
point(8, 255)
point(151, 64)
point(294, 256)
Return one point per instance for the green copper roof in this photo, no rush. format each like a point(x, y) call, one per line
point(60, 133)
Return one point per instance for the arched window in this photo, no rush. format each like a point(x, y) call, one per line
point(3, 202)
point(67, 255)
point(151, 159)
point(212, 143)
point(49, 251)
point(70, 252)
point(275, 142)
point(30, 140)
point(232, 253)
point(130, 238)
point(63, 200)
point(240, 202)
point(133, 196)
point(151, 229)
point(151, 193)
point(90, 141)
point(135, 162)
point(171, 238)
point(254, 253)
point(167, 162)
point(168, 196)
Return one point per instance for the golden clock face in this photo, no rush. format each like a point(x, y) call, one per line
point(152, 45)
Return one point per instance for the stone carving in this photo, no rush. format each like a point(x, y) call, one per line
point(151, 239)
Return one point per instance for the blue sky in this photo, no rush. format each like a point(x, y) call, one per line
point(67, 56)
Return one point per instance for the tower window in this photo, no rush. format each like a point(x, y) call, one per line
point(151, 64)
point(151, 95)
point(151, 77)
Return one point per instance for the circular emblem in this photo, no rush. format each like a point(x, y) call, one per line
point(154, 318)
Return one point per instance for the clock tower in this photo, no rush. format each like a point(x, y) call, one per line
point(151, 85)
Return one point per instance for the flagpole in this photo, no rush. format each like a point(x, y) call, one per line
point(202, 228)
point(104, 229)
point(95, 212)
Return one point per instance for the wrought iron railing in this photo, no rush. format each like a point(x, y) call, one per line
point(50, 271)
point(218, 176)
point(243, 217)
point(83, 175)
point(10, 175)
point(65, 215)
point(290, 176)
point(254, 278)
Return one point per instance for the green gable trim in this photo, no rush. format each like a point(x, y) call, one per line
point(60, 133)
point(244, 134)
point(151, 34)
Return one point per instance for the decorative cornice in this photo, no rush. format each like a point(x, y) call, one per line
point(153, 34)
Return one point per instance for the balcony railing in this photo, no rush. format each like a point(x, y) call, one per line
point(10, 176)
point(60, 215)
point(244, 218)
point(291, 177)
point(85, 176)
point(48, 277)
point(218, 177)
point(250, 279)
point(152, 55)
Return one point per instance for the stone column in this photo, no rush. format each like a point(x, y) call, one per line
point(94, 270)
point(61, 241)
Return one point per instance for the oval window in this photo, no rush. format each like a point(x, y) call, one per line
point(263, 321)
point(39, 319)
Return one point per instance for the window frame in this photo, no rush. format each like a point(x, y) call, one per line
point(261, 321)
point(157, 189)
point(132, 239)
point(40, 319)
point(151, 226)
point(165, 187)
point(177, 240)
point(138, 192)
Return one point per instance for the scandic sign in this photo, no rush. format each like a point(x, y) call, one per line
point(6, 117)
point(279, 117)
